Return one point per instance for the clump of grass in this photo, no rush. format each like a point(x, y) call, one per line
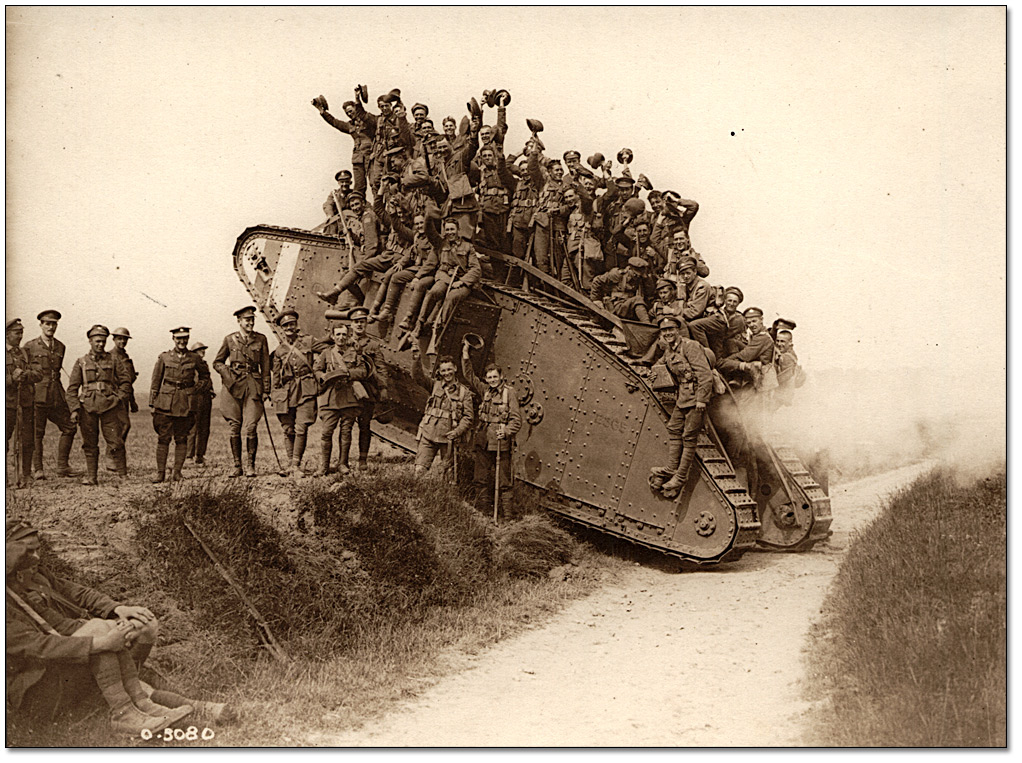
point(912, 648)
point(532, 546)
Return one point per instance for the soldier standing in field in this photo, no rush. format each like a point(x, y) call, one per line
point(199, 434)
point(339, 368)
point(246, 385)
point(19, 379)
point(173, 398)
point(377, 382)
point(498, 422)
point(686, 361)
point(99, 383)
point(46, 356)
point(294, 388)
point(120, 337)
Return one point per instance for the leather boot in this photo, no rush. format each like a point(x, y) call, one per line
point(345, 449)
point(236, 454)
point(326, 448)
point(122, 463)
point(330, 297)
point(251, 445)
point(297, 454)
point(63, 453)
point(180, 451)
point(681, 476)
point(218, 712)
point(674, 449)
point(161, 462)
point(91, 470)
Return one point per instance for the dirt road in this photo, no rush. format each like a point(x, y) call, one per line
point(706, 658)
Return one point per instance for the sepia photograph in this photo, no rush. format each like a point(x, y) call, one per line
point(506, 378)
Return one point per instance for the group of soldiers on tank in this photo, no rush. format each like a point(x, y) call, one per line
point(437, 196)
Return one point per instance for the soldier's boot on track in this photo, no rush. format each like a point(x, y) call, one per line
point(91, 470)
point(236, 455)
point(251, 446)
point(161, 463)
point(63, 453)
point(681, 476)
point(674, 450)
point(179, 461)
point(326, 448)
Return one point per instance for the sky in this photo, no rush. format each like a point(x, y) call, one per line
point(849, 162)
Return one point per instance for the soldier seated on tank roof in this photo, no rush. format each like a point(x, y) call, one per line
point(625, 291)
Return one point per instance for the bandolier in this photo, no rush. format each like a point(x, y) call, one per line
point(448, 412)
point(523, 207)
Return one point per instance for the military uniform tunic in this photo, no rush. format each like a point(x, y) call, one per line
point(245, 380)
point(100, 382)
point(174, 395)
point(20, 379)
point(50, 401)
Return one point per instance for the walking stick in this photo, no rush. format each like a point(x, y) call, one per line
point(17, 442)
point(272, 444)
point(496, 485)
point(454, 455)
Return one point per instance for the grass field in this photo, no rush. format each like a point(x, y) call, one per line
point(912, 647)
point(370, 585)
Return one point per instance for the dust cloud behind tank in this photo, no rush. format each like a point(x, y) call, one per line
point(593, 429)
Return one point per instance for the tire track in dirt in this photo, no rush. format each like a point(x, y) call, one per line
point(706, 658)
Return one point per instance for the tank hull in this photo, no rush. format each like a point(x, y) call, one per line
point(593, 431)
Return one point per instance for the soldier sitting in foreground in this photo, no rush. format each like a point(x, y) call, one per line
point(55, 628)
point(448, 413)
point(624, 291)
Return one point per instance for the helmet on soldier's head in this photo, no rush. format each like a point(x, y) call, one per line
point(120, 332)
point(197, 345)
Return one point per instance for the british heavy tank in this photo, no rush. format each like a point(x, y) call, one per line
point(594, 429)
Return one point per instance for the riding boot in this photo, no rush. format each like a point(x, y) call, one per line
point(330, 297)
point(345, 449)
point(161, 462)
point(91, 470)
point(122, 463)
point(63, 452)
point(180, 451)
point(251, 445)
point(298, 453)
point(381, 295)
point(674, 449)
point(236, 454)
point(325, 449)
point(289, 446)
point(681, 476)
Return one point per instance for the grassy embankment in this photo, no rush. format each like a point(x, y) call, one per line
point(371, 585)
point(912, 647)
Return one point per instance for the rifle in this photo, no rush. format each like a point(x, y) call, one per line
point(347, 233)
point(265, 634)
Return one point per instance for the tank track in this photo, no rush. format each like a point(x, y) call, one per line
point(813, 496)
point(715, 462)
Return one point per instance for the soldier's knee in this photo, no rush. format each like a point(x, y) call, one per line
point(148, 633)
